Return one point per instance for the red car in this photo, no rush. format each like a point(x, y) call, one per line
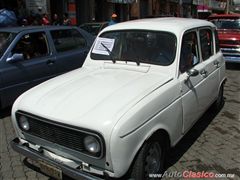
point(229, 35)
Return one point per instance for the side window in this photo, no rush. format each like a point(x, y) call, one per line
point(216, 41)
point(67, 40)
point(189, 51)
point(32, 45)
point(206, 41)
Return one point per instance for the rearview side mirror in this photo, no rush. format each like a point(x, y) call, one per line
point(15, 58)
point(191, 72)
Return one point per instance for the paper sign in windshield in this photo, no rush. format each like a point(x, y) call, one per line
point(103, 46)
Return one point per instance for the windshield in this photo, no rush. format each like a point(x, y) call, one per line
point(5, 39)
point(227, 23)
point(140, 46)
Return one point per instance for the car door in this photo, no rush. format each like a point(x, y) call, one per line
point(211, 62)
point(34, 67)
point(71, 49)
point(190, 78)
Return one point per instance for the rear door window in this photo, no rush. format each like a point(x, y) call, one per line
point(67, 40)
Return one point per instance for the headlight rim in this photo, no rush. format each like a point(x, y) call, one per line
point(98, 143)
point(21, 125)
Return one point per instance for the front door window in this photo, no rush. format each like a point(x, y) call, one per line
point(33, 45)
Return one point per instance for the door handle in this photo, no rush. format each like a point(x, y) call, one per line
point(50, 62)
point(216, 63)
point(203, 73)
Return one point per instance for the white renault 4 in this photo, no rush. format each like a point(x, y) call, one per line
point(142, 87)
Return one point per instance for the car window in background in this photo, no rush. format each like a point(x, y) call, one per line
point(153, 47)
point(227, 23)
point(67, 40)
point(94, 28)
point(32, 45)
point(5, 39)
point(206, 43)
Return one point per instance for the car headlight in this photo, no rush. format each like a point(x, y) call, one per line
point(91, 144)
point(23, 122)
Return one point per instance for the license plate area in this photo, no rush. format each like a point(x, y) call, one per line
point(50, 170)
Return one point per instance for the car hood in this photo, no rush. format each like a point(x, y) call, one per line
point(90, 98)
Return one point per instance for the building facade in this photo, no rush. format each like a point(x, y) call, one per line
point(82, 11)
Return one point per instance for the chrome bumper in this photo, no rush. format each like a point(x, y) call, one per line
point(36, 156)
point(232, 59)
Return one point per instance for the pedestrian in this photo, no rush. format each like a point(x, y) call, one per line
point(66, 20)
point(56, 20)
point(45, 19)
point(113, 19)
point(38, 16)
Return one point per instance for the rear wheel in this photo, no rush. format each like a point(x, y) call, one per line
point(149, 160)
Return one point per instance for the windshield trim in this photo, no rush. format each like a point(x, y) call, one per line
point(138, 61)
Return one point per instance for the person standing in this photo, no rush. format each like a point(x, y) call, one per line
point(56, 20)
point(66, 20)
point(45, 19)
point(113, 19)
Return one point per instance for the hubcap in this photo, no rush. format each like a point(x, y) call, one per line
point(153, 159)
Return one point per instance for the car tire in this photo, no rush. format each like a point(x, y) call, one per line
point(149, 160)
point(220, 99)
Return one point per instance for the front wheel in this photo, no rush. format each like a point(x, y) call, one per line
point(149, 160)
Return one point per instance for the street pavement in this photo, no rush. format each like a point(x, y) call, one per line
point(211, 146)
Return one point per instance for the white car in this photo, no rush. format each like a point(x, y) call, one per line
point(142, 87)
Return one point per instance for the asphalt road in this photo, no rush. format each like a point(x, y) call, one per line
point(211, 147)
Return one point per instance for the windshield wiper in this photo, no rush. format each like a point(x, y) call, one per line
point(109, 53)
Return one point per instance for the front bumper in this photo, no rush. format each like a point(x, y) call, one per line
point(231, 54)
point(232, 59)
point(38, 156)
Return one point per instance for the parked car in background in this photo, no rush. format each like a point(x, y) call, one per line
point(31, 55)
point(142, 87)
point(94, 28)
point(228, 26)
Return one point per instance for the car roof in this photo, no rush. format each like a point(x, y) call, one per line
point(29, 28)
point(169, 24)
point(223, 16)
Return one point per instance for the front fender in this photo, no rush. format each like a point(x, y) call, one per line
point(123, 149)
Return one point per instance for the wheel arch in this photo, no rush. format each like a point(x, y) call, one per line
point(159, 134)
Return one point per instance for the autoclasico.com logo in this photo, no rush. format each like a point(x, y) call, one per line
point(191, 174)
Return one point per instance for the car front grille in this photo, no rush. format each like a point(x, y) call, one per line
point(56, 133)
